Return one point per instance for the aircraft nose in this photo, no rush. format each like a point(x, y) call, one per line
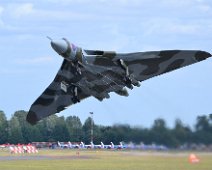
point(60, 46)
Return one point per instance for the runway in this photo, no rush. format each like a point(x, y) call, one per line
point(42, 157)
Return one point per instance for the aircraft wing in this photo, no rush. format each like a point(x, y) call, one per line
point(128, 69)
point(96, 73)
point(144, 65)
point(57, 96)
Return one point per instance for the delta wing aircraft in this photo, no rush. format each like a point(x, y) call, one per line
point(86, 73)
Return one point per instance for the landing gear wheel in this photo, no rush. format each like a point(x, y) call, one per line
point(75, 98)
point(128, 82)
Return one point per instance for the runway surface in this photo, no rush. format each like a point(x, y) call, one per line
point(41, 157)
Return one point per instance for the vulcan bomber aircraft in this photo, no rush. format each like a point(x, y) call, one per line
point(96, 73)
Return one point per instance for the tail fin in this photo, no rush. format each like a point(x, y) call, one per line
point(92, 145)
point(69, 144)
point(112, 145)
point(121, 145)
point(102, 145)
point(58, 143)
point(82, 144)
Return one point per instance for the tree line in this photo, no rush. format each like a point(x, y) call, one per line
point(54, 128)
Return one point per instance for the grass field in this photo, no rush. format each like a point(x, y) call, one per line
point(103, 160)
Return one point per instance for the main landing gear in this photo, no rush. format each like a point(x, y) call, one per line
point(75, 98)
point(129, 79)
point(65, 87)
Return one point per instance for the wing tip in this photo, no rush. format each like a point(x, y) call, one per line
point(202, 55)
point(32, 118)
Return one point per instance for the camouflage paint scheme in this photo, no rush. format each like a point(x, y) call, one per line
point(86, 73)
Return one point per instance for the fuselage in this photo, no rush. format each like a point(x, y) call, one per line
point(92, 69)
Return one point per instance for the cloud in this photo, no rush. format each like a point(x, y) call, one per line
point(174, 26)
point(121, 2)
point(142, 17)
point(104, 10)
point(204, 8)
point(6, 71)
point(37, 60)
point(140, 3)
point(19, 10)
point(31, 12)
point(1, 11)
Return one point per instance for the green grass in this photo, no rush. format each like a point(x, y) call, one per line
point(106, 160)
